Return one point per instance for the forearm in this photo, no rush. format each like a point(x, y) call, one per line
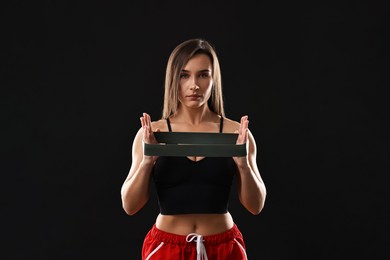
point(252, 191)
point(135, 189)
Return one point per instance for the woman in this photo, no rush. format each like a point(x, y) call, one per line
point(194, 221)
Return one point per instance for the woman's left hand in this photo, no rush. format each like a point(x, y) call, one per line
point(242, 139)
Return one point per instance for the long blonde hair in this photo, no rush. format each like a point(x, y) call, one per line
point(177, 60)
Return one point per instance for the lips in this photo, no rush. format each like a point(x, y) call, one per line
point(194, 97)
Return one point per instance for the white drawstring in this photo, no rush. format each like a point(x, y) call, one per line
point(155, 250)
point(200, 249)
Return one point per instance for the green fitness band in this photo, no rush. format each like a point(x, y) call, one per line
point(195, 144)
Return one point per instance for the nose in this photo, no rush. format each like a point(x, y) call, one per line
point(193, 83)
point(194, 87)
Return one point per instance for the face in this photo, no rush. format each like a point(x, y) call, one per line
point(196, 81)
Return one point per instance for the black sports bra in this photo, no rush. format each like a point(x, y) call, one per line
point(187, 187)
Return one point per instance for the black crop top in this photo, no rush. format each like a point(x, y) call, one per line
point(187, 187)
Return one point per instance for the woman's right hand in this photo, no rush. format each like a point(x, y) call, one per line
point(148, 135)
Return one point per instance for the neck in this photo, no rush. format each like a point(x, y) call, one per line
point(194, 116)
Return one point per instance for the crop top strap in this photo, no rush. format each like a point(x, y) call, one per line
point(221, 125)
point(169, 125)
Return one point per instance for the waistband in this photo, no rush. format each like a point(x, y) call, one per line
point(216, 239)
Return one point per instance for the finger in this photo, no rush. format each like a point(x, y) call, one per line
point(149, 121)
point(244, 129)
point(246, 134)
point(142, 121)
point(240, 128)
point(145, 116)
point(245, 121)
point(147, 124)
point(246, 126)
point(242, 124)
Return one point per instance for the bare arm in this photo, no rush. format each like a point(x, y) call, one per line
point(251, 188)
point(135, 190)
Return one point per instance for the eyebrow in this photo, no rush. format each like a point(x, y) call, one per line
point(206, 70)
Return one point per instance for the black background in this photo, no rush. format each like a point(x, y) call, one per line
point(76, 76)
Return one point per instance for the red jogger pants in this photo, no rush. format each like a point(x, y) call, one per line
point(166, 246)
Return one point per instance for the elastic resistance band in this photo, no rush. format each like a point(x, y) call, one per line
point(195, 144)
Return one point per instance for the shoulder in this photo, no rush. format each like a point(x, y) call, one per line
point(230, 125)
point(161, 124)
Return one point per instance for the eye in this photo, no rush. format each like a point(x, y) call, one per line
point(204, 75)
point(183, 76)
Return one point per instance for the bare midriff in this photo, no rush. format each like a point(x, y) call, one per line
point(202, 224)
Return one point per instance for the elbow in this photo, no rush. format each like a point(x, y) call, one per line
point(127, 206)
point(129, 210)
point(255, 213)
point(131, 207)
point(257, 210)
point(254, 209)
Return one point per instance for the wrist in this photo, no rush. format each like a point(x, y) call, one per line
point(148, 161)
